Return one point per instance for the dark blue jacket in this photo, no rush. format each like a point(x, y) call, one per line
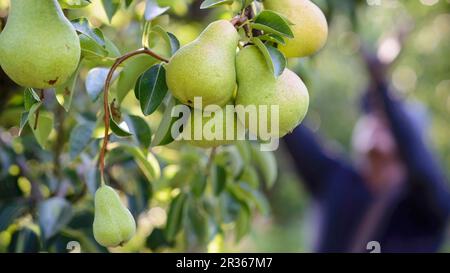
point(413, 221)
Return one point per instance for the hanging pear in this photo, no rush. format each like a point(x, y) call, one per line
point(259, 87)
point(39, 47)
point(206, 67)
point(113, 222)
point(310, 26)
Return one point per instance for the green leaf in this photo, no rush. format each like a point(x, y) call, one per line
point(152, 89)
point(175, 216)
point(81, 25)
point(245, 194)
point(30, 98)
point(153, 10)
point(111, 7)
point(235, 163)
point(158, 240)
point(131, 71)
point(79, 139)
point(64, 93)
point(219, 175)
point(198, 218)
point(149, 165)
point(245, 151)
point(214, 3)
point(44, 127)
point(169, 38)
point(128, 3)
point(95, 81)
point(174, 43)
point(26, 116)
point(142, 133)
point(24, 240)
point(54, 214)
point(74, 4)
point(91, 50)
point(274, 38)
point(198, 185)
point(275, 60)
point(250, 177)
point(9, 212)
point(117, 129)
point(267, 165)
point(271, 22)
point(243, 222)
point(163, 135)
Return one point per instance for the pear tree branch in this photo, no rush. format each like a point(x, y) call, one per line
point(108, 80)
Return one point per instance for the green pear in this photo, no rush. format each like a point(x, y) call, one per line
point(39, 47)
point(205, 67)
point(259, 87)
point(208, 129)
point(113, 222)
point(310, 26)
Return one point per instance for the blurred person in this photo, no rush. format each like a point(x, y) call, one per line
point(393, 193)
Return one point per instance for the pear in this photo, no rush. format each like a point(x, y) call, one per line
point(219, 123)
point(258, 86)
point(39, 47)
point(205, 67)
point(310, 26)
point(113, 222)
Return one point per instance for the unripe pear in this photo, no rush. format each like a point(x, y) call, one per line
point(39, 47)
point(218, 122)
point(310, 26)
point(258, 86)
point(113, 222)
point(205, 67)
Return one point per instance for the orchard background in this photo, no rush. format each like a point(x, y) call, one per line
point(46, 195)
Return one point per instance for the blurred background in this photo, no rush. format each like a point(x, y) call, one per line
point(336, 79)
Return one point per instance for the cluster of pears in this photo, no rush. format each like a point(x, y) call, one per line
point(39, 47)
point(210, 68)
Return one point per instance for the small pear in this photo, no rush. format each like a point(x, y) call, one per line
point(215, 125)
point(39, 47)
point(258, 86)
point(113, 222)
point(310, 26)
point(205, 67)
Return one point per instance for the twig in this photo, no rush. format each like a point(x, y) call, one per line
point(108, 80)
point(41, 97)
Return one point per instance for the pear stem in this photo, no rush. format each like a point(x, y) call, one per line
point(106, 109)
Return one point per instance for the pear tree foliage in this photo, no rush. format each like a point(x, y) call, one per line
point(198, 192)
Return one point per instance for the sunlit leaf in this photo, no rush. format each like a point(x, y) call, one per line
point(214, 3)
point(153, 10)
point(43, 129)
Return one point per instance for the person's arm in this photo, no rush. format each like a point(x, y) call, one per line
point(312, 162)
point(425, 172)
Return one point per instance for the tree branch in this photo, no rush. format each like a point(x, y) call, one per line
point(108, 80)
